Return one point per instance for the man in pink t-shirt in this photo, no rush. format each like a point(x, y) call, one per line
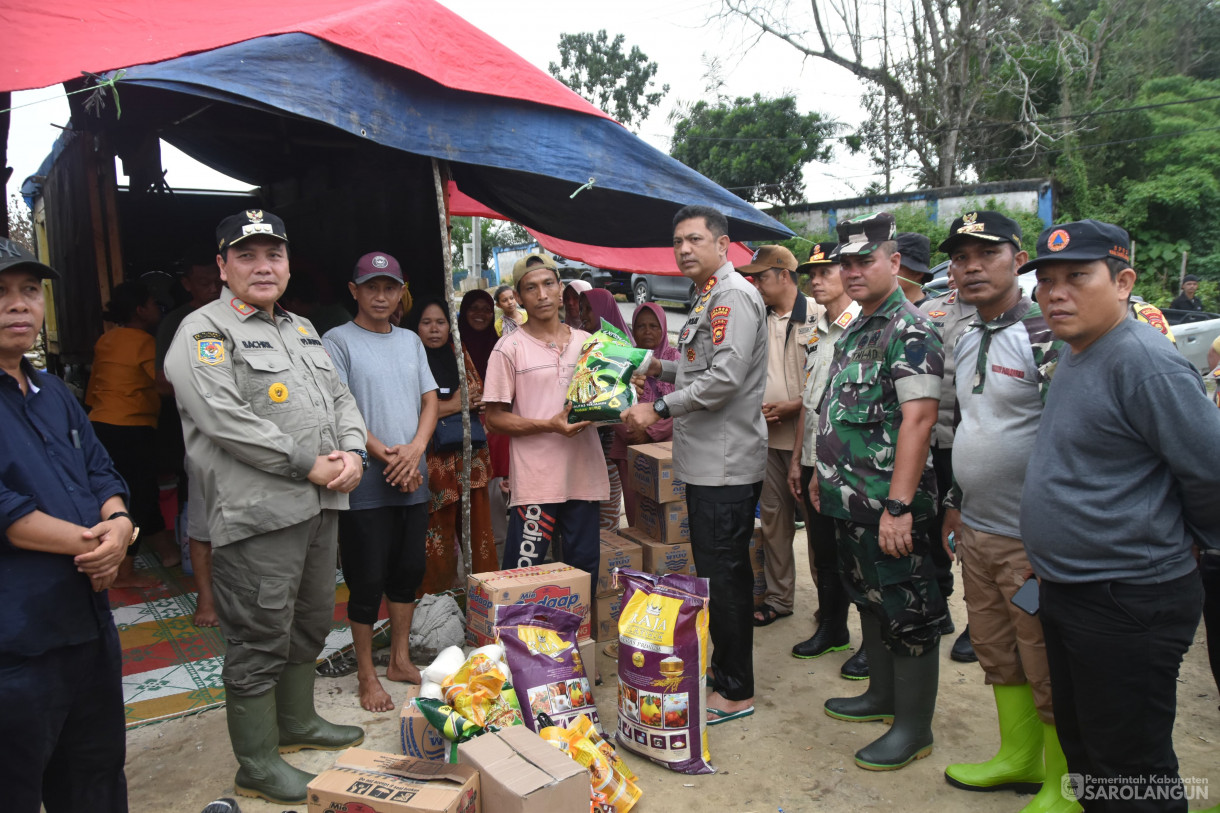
point(558, 470)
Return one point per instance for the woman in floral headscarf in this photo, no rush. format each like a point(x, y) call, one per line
point(648, 327)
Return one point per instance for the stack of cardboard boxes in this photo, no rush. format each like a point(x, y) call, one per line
point(616, 552)
point(662, 527)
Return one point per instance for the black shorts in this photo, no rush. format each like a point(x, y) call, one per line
point(383, 553)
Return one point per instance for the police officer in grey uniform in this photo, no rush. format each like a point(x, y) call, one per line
point(720, 441)
point(277, 442)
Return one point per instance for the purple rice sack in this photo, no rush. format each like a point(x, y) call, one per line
point(662, 669)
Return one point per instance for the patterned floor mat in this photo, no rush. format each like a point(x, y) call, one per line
point(171, 667)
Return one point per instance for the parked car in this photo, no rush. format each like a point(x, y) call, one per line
point(616, 282)
point(671, 288)
point(1194, 331)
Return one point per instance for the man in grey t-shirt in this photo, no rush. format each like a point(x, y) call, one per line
point(382, 535)
point(1116, 496)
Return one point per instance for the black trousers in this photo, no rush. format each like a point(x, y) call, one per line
point(820, 531)
point(1114, 650)
point(384, 553)
point(942, 465)
point(721, 524)
point(1209, 569)
point(62, 737)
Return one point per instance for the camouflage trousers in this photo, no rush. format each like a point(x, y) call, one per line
point(901, 592)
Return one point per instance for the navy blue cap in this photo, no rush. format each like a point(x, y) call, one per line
point(1082, 241)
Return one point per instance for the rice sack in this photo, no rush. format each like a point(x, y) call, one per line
point(662, 669)
point(601, 383)
point(544, 663)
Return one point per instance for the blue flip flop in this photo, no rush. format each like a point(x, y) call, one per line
point(725, 716)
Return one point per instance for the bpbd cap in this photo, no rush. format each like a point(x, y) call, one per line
point(1081, 241)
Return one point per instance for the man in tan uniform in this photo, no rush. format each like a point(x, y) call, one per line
point(792, 321)
point(277, 442)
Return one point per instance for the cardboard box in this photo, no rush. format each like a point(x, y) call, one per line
point(758, 558)
point(420, 739)
point(659, 557)
point(554, 584)
point(519, 772)
point(605, 616)
point(616, 552)
point(391, 783)
point(664, 522)
point(588, 659)
point(650, 472)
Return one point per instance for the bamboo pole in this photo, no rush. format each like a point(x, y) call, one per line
point(455, 332)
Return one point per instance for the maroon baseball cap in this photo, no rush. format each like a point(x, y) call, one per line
point(377, 264)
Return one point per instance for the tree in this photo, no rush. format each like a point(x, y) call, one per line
point(20, 226)
point(493, 234)
point(946, 65)
point(753, 146)
point(619, 83)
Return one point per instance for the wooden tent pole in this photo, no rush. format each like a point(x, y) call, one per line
point(456, 333)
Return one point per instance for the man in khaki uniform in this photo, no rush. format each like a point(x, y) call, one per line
point(791, 331)
point(720, 442)
point(277, 442)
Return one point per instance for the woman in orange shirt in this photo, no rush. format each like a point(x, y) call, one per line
point(124, 405)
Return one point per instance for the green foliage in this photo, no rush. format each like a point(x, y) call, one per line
point(597, 68)
point(20, 225)
point(493, 234)
point(755, 146)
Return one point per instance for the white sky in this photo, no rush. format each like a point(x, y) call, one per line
point(676, 34)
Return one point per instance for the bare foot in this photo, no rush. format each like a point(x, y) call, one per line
point(206, 617)
point(127, 577)
point(373, 696)
point(167, 549)
point(405, 673)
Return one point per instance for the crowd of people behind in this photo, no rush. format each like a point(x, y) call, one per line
point(904, 431)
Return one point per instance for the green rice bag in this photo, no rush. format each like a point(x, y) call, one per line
point(601, 384)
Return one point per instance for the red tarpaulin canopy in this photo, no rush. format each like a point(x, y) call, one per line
point(44, 43)
point(639, 260)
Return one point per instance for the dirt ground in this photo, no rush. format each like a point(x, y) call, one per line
point(788, 757)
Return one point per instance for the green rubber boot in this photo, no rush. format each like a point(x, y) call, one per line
point(261, 771)
point(877, 702)
point(300, 726)
point(1052, 798)
point(1018, 764)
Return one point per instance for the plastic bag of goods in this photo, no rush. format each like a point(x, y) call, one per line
point(477, 698)
point(662, 669)
point(612, 784)
point(544, 662)
point(601, 384)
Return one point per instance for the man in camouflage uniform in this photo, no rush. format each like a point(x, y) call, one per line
point(874, 477)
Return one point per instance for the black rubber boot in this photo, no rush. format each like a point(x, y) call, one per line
point(910, 737)
point(299, 724)
point(856, 667)
point(261, 771)
point(831, 634)
point(963, 649)
point(877, 702)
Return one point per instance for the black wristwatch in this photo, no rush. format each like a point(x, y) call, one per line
point(661, 408)
point(135, 529)
point(896, 507)
point(364, 458)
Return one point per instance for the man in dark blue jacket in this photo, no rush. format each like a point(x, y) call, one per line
point(63, 532)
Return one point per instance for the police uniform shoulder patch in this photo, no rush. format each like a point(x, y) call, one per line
point(304, 331)
point(952, 297)
point(709, 285)
point(720, 323)
point(244, 308)
point(210, 351)
point(844, 319)
point(208, 334)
